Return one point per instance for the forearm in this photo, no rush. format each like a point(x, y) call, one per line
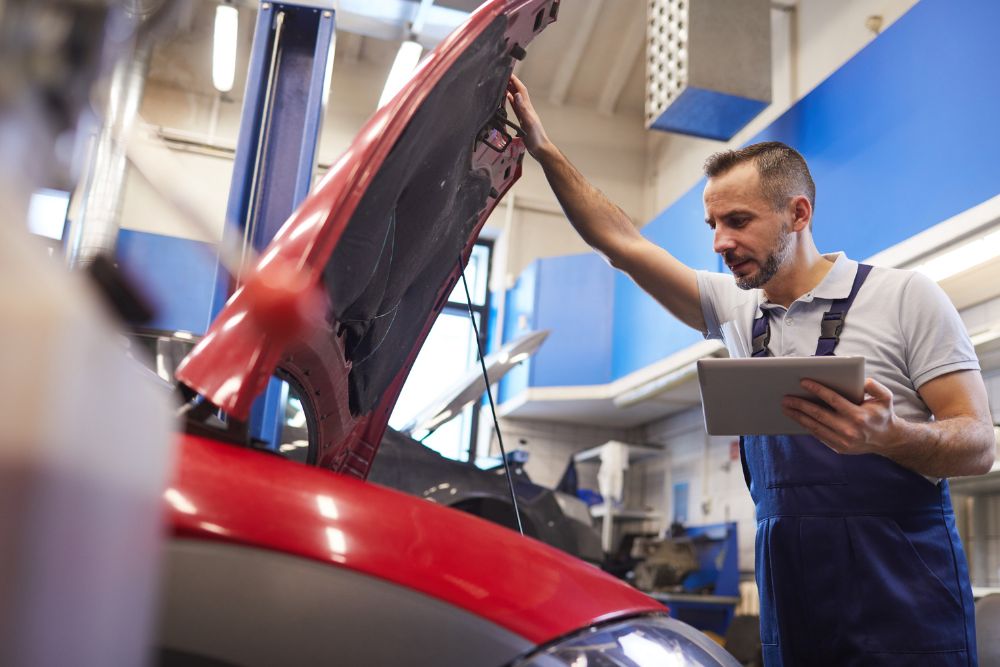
point(601, 224)
point(948, 448)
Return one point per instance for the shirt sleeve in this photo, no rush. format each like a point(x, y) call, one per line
point(720, 297)
point(934, 335)
point(707, 292)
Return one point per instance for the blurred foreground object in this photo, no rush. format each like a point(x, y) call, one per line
point(83, 456)
point(50, 53)
point(83, 465)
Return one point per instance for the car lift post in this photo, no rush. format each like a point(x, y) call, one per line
point(288, 83)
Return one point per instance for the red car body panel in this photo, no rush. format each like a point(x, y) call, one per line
point(227, 493)
point(232, 364)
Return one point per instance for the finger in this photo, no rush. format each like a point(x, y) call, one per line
point(818, 413)
point(523, 107)
point(823, 433)
point(828, 396)
point(517, 85)
point(877, 390)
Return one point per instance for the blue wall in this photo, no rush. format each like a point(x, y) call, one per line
point(905, 134)
point(176, 275)
point(570, 296)
point(643, 331)
point(902, 137)
point(519, 318)
point(574, 295)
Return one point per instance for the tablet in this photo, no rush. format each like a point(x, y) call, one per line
point(743, 396)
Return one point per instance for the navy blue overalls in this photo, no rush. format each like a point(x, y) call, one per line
point(858, 559)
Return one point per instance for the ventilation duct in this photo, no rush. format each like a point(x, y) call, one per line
point(708, 65)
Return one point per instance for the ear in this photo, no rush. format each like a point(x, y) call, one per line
point(801, 211)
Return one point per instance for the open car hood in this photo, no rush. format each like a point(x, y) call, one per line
point(386, 232)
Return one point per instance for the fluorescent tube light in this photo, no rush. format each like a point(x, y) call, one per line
point(969, 255)
point(224, 48)
point(402, 68)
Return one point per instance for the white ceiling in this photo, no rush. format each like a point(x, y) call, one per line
point(592, 57)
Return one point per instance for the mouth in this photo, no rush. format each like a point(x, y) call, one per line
point(740, 267)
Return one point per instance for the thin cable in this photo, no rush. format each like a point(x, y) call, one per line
point(489, 393)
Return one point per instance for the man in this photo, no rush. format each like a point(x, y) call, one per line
point(858, 557)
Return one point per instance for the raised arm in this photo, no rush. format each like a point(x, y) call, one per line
point(604, 226)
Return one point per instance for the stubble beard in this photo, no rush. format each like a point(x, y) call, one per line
point(769, 267)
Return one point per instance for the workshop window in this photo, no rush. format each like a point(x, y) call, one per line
point(447, 356)
point(47, 217)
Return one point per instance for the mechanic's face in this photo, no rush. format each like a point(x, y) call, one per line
point(754, 240)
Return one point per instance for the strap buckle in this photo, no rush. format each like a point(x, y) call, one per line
point(760, 342)
point(831, 326)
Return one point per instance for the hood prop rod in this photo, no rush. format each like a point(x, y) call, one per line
point(489, 393)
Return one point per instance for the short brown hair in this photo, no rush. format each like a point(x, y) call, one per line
point(782, 169)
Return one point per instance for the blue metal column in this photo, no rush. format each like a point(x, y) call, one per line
point(287, 86)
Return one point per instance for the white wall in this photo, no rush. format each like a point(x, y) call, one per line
point(608, 148)
point(716, 490)
point(550, 445)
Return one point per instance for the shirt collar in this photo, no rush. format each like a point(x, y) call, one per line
point(836, 284)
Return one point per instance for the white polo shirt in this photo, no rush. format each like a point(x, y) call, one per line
point(901, 322)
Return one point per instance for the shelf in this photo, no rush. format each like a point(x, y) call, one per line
point(978, 485)
point(607, 513)
point(636, 453)
point(983, 591)
point(600, 511)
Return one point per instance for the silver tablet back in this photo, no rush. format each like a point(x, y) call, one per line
point(743, 396)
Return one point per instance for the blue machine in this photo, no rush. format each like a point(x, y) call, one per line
point(709, 595)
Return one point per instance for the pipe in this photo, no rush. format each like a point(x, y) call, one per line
point(95, 229)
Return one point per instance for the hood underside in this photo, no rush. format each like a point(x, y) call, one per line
point(386, 234)
point(409, 232)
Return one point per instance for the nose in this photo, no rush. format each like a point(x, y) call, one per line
point(723, 240)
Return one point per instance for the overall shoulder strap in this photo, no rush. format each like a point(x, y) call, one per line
point(833, 320)
point(761, 335)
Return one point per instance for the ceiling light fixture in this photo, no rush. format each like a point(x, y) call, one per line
point(408, 55)
point(402, 69)
point(224, 48)
point(972, 253)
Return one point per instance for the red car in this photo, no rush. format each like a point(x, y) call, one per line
point(271, 562)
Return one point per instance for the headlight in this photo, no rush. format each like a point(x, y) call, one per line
point(646, 641)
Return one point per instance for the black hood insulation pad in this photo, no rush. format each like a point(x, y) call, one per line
point(414, 220)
